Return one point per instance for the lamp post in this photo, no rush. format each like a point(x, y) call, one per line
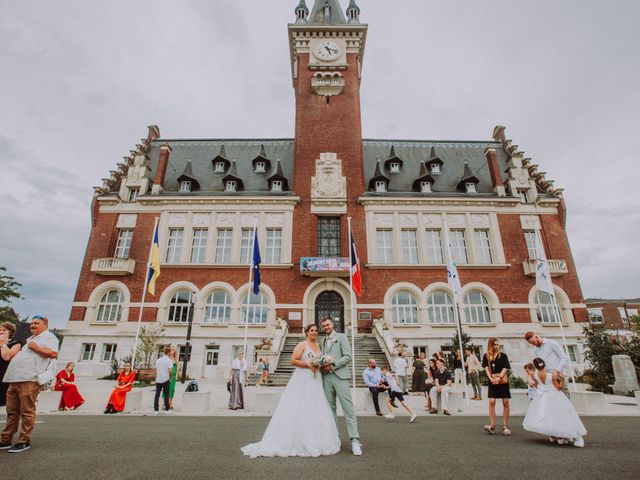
point(187, 345)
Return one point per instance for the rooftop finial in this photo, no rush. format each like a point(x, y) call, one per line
point(301, 12)
point(327, 12)
point(353, 12)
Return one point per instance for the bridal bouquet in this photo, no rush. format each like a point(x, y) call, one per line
point(319, 361)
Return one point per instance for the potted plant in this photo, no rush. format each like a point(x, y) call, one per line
point(149, 343)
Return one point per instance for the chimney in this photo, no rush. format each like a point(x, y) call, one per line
point(494, 170)
point(163, 162)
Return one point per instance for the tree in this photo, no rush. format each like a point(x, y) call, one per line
point(454, 345)
point(8, 292)
point(149, 343)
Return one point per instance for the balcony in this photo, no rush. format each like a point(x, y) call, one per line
point(325, 266)
point(113, 266)
point(556, 267)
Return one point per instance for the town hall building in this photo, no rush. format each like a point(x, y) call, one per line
point(209, 194)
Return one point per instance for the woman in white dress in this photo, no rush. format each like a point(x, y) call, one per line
point(302, 424)
point(550, 412)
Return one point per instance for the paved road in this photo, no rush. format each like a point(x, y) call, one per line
point(96, 447)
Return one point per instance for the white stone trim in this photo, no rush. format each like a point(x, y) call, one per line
point(494, 302)
point(316, 288)
point(564, 305)
point(97, 293)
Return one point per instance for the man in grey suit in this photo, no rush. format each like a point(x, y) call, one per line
point(335, 379)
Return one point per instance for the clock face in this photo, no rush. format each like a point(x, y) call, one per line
point(328, 50)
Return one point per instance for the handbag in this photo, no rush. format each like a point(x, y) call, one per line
point(503, 380)
point(229, 387)
point(45, 378)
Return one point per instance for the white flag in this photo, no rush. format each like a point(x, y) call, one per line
point(452, 269)
point(543, 278)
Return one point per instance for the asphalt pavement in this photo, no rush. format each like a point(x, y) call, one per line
point(163, 447)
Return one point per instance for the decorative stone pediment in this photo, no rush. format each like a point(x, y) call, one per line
point(328, 186)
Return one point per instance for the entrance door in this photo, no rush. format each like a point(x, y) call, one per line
point(330, 304)
point(211, 354)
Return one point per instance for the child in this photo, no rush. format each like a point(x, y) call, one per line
point(550, 412)
point(532, 383)
point(395, 393)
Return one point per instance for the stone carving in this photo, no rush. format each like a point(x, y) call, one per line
point(432, 220)
point(274, 220)
point(328, 182)
point(408, 220)
point(529, 222)
point(383, 220)
point(127, 220)
point(225, 219)
point(455, 221)
point(177, 220)
point(625, 373)
point(480, 220)
point(201, 220)
point(249, 219)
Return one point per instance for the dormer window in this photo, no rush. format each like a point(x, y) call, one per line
point(394, 167)
point(381, 186)
point(260, 167)
point(522, 193)
point(230, 186)
point(185, 186)
point(435, 168)
point(133, 194)
point(219, 168)
point(276, 186)
point(471, 187)
point(425, 187)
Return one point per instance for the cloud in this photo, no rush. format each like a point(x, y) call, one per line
point(80, 83)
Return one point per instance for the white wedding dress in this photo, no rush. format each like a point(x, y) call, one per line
point(303, 424)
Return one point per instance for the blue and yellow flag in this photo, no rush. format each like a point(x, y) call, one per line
point(154, 263)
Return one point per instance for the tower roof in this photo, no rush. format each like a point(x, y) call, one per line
point(335, 16)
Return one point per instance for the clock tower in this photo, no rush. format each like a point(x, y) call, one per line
point(327, 50)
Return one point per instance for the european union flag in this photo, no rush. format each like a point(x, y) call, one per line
point(256, 265)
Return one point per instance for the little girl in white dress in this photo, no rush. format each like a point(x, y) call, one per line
point(551, 413)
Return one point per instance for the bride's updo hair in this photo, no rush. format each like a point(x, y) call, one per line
point(308, 328)
point(539, 363)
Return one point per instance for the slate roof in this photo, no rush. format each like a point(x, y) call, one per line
point(453, 155)
point(316, 17)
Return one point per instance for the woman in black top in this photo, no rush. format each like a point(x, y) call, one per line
point(8, 349)
point(431, 369)
point(496, 365)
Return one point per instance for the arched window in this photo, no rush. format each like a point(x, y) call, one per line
point(181, 307)
point(256, 310)
point(218, 308)
point(440, 308)
point(110, 306)
point(545, 309)
point(404, 308)
point(477, 307)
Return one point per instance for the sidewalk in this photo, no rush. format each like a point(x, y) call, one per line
point(260, 401)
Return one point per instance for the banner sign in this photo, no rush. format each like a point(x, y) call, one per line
point(324, 264)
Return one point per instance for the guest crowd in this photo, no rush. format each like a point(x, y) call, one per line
point(29, 368)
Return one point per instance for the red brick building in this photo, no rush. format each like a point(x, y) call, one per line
point(209, 194)
point(613, 314)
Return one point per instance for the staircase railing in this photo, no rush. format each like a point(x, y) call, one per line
point(385, 341)
point(280, 345)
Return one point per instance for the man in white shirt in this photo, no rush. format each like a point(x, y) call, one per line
point(400, 366)
point(30, 367)
point(164, 367)
point(554, 356)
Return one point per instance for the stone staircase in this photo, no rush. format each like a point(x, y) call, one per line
point(366, 347)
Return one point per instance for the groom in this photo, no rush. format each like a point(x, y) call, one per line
point(335, 379)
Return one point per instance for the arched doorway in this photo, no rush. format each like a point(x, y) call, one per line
point(330, 304)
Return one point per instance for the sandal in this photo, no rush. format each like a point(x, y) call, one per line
point(506, 431)
point(491, 429)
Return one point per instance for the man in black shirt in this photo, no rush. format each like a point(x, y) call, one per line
point(442, 385)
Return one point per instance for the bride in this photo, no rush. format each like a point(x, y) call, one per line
point(302, 424)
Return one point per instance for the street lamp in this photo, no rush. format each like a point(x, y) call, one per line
point(187, 345)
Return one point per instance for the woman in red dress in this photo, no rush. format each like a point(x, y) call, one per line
point(71, 398)
point(119, 394)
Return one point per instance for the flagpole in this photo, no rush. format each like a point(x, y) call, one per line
point(554, 302)
point(144, 294)
point(544, 280)
point(353, 309)
point(249, 292)
point(456, 313)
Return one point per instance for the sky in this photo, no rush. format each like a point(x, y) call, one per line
point(80, 82)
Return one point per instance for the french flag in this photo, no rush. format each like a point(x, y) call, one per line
point(356, 278)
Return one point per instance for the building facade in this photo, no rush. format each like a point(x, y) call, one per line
point(401, 195)
point(613, 314)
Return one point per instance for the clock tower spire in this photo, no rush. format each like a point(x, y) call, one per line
point(326, 64)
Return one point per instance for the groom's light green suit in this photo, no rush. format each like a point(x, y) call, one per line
point(336, 382)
